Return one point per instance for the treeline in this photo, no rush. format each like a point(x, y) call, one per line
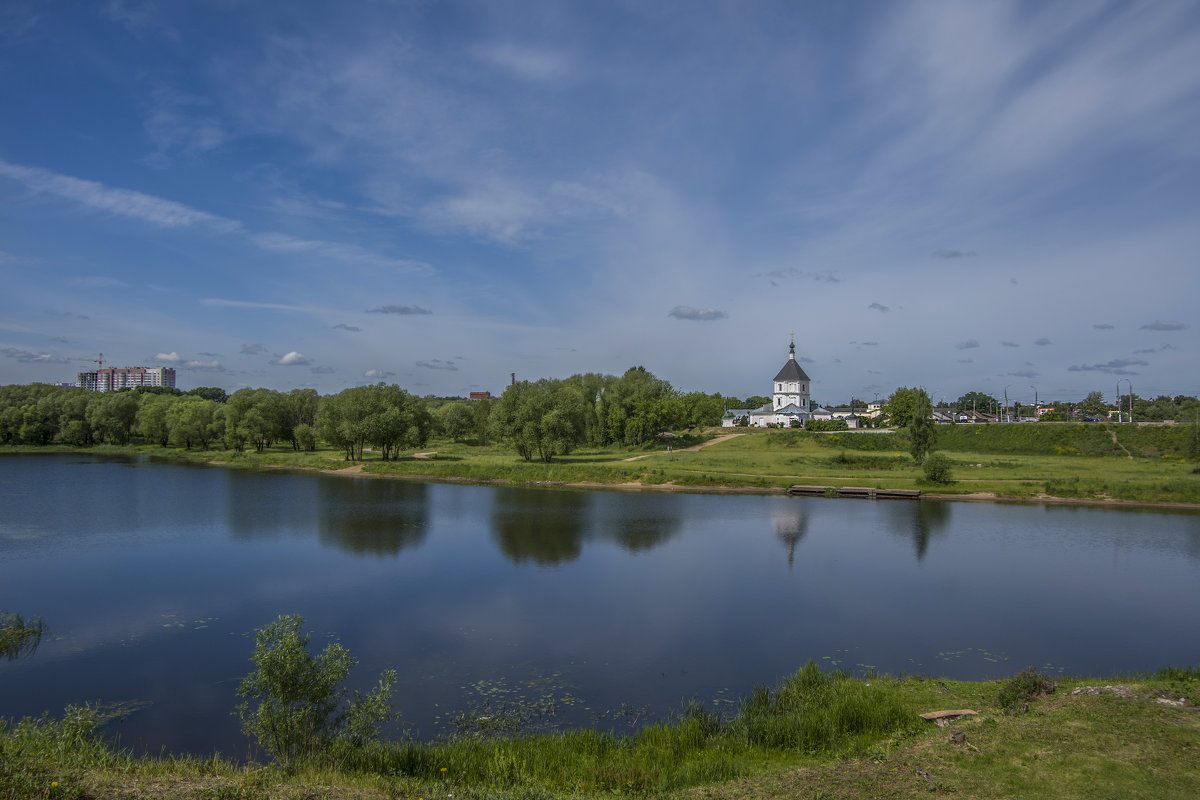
point(386, 417)
point(551, 417)
point(538, 419)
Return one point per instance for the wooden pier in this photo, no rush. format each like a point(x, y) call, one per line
point(854, 491)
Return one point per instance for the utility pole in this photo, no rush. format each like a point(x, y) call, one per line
point(1119, 398)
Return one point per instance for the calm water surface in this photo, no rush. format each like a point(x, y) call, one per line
point(152, 578)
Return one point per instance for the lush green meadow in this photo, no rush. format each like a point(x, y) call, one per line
point(1065, 461)
point(1144, 464)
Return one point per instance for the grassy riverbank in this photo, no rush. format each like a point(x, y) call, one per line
point(816, 735)
point(1091, 463)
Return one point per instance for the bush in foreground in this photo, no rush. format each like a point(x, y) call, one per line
point(937, 468)
point(298, 709)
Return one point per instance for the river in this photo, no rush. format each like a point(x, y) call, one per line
point(611, 608)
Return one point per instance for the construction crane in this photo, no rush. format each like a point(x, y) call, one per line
point(99, 362)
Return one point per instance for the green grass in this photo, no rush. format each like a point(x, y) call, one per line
point(814, 735)
point(1068, 461)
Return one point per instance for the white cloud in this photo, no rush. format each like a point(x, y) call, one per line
point(168, 358)
point(293, 359)
point(204, 366)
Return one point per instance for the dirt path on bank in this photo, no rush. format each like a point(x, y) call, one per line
point(1128, 454)
point(691, 449)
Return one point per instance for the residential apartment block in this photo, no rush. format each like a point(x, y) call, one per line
point(110, 379)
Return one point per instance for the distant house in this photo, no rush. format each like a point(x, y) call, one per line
point(480, 396)
point(943, 416)
point(821, 413)
point(790, 400)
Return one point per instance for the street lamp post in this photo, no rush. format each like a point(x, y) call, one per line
point(1130, 398)
point(1035, 402)
point(1007, 418)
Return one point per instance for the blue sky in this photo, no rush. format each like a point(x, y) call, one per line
point(955, 195)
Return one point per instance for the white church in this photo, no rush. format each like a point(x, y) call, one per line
point(790, 400)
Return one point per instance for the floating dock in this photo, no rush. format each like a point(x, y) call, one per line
point(854, 491)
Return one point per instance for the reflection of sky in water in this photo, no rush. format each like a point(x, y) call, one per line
point(151, 577)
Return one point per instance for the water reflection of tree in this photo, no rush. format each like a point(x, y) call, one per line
point(791, 527)
point(372, 517)
point(263, 506)
point(638, 534)
point(928, 520)
point(639, 522)
point(542, 526)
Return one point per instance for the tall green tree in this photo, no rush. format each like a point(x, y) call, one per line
point(112, 416)
point(193, 420)
point(482, 411)
point(1094, 406)
point(397, 420)
point(921, 429)
point(457, 419)
point(73, 425)
point(151, 422)
point(900, 408)
point(545, 418)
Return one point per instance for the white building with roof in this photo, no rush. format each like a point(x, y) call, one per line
point(790, 399)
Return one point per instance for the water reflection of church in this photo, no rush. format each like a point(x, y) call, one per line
point(790, 528)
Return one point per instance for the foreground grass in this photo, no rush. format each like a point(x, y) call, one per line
point(1017, 462)
point(815, 735)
